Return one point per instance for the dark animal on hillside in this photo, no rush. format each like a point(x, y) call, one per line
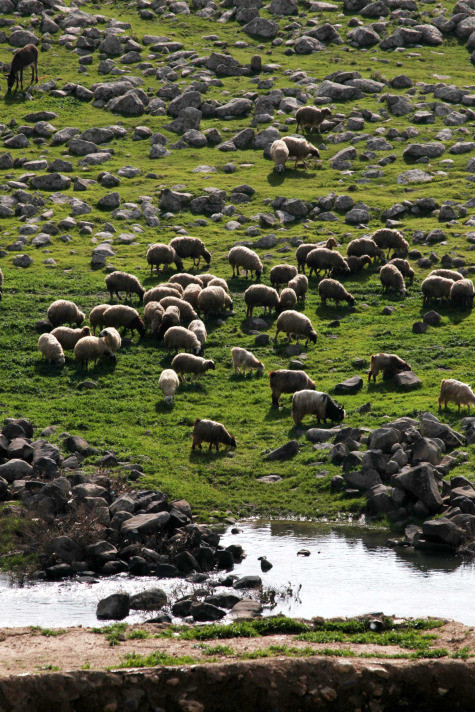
point(25, 57)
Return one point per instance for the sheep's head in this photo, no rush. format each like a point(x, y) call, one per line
point(279, 168)
point(168, 400)
point(334, 411)
point(207, 256)
point(141, 292)
point(351, 300)
point(313, 336)
point(209, 365)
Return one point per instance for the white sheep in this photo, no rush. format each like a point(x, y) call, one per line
point(241, 256)
point(308, 402)
point(300, 149)
point(461, 293)
point(177, 337)
point(68, 337)
point(112, 338)
point(199, 330)
point(50, 348)
point(213, 300)
point(245, 361)
point(63, 312)
point(124, 282)
point(455, 392)
point(311, 117)
point(91, 348)
point(332, 289)
point(218, 282)
point(279, 153)
point(161, 254)
point(436, 288)
point(447, 273)
point(96, 316)
point(392, 280)
point(300, 286)
point(191, 294)
point(260, 295)
point(281, 274)
point(121, 315)
point(161, 291)
point(293, 323)
point(184, 279)
point(168, 383)
point(187, 313)
point(153, 316)
point(189, 363)
point(288, 299)
point(327, 260)
point(187, 246)
point(389, 239)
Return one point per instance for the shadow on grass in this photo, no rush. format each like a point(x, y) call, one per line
point(453, 314)
point(206, 455)
point(277, 179)
point(274, 414)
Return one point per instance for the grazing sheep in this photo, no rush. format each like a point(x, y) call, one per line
point(245, 361)
point(279, 153)
point(241, 256)
point(326, 260)
point(281, 274)
point(452, 391)
point(171, 317)
point(91, 348)
point(315, 403)
point(389, 364)
point(311, 117)
point(187, 246)
point(461, 293)
point(213, 299)
point(68, 338)
point(293, 323)
point(96, 316)
point(177, 337)
point(287, 381)
point(356, 264)
point(168, 384)
point(199, 329)
point(161, 291)
point(184, 279)
point(288, 299)
point(218, 282)
point(260, 295)
point(50, 348)
point(392, 280)
point(112, 338)
point(300, 286)
point(447, 274)
point(301, 254)
point(64, 312)
point(206, 278)
point(123, 316)
point(404, 267)
point(123, 282)
point(187, 313)
point(153, 316)
point(365, 246)
point(300, 149)
point(436, 288)
point(209, 431)
point(161, 254)
point(191, 294)
point(388, 239)
point(1, 284)
point(189, 363)
point(332, 289)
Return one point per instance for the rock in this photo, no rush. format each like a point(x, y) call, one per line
point(363, 37)
point(146, 523)
point(15, 469)
point(248, 582)
point(22, 261)
point(206, 612)
point(110, 201)
point(419, 327)
point(433, 429)
point(21, 38)
point(114, 607)
point(421, 483)
point(364, 480)
point(128, 105)
point(52, 181)
point(349, 386)
point(76, 443)
point(432, 318)
point(407, 381)
point(426, 450)
point(307, 45)
point(247, 608)
point(338, 92)
point(260, 27)
point(150, 600)
point(234, 108)
point(284, 452)
point(357, 216)
point(443, 529)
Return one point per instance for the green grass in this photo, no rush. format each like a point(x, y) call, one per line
point(114, 633)
point(47, 632)
point(156, 658)
point(240, 629)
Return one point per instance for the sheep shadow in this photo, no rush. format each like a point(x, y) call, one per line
point(446, 311)
point(205, 455)
point(104, 366)
point(48, 370)
point(277, 179)
point(276, 414)
point(17, 96)
point(245, 377)
point(164, 408)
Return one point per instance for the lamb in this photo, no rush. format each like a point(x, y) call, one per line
point(191, 294)
point(281, 274)
point(218, 282)
point(177, 337)
point(189, 363)
point(332, 289)
point(64, 312)
point(300, 149)
point(316, 403)
point(292, 322)
point(461, 293)
point(455, 392)
point(436, 288)
point(286, 381)
point(184, 279)
point(112, 338)
point(389, 364)
point(392, 280)
point(447, 273)
point(279, 153)
point(171, 317)
point(404, 267)
point(326, 260)
point(246, 361)
point(161, 254)
point(300, 286)
point(187, 313)
point(187, 246)
point(301, 254)
point(288, 299)
point(209, 431)
point(356, 264)
point(161, 291)
point(213, 299)
point(153, 316)
point(96, 316)
point(199, 329)
point(330, 243)
point(91, 348)
point(260, 295)
point(123, 316)
point(168, 384)
point(311, 117)
point(50, 348)
point(365, 246)
point(388, 239)
point(241, 256)
point(206, 278)
point(124, 282)
point(68, 338)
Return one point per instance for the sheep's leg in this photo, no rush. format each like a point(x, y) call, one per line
point(276, 335)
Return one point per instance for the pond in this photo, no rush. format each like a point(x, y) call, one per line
point(349, 572)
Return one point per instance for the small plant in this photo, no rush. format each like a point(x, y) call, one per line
point(48, 632)
point(216, 649)
point(138, 635)
point(114, 633)
point(154, 659)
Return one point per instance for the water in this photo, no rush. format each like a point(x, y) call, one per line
point(348, 572)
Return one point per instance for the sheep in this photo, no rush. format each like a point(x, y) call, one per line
point(184, 279)
point(191, 294)
point(388, 239)
point(392, 280)
point(365, 246)
point(112, 338)
point(356, 264)
point(68, 338)
point(389, 364)
point(96, 316)
point(171, 317)
point(300, 149)
point(447, 274)
point(332, 289)
point(64, 312)
point(122, 281)
point(287, 381)
point(300, 286)
point(91, 348)
point(403, 266)
point(281, 274)
point(241, 256)
point(187, 246)
point(461, 293)
point(187, 313)
point(288, 299)
point(436, 288)
point(161, 254)
point(315, 403)
point(213, 299)
point(301, 254)
point(209, 431)
point(260, 295)
point(50, 348)
point(123, 316)
point(189, 363)
point(206, 278)
point(311, 117)
point(246, 361)
point(199, 329)
point(330, 243)
point(177, 337)
point(218, 282)
point(1, 284)
point(326, 260)
point(153, 316)
point(455, 392)
point(161, 291)
point(168, 384)
point(279, 153)
point(292, 322)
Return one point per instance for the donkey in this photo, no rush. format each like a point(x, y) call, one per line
point(25, 57)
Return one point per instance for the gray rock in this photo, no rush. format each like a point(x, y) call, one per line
point(260, 27)
point(206, 612)
point(21, 38)
point(128, 105)
point(419, 150)
point(115, 607)
point(15, 469)
point(22, 261)
point(363, 37)
point(146, 523)
point(415, 175)
point(51, 182)
point(407, 381)
point(284, 452)
point(307, 45)
point(248, 582)
point(150, 600)
point(421, 483)
point(76, 443)
point(349, 386)
point(443, 529)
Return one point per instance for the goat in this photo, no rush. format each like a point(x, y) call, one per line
point(25, 57)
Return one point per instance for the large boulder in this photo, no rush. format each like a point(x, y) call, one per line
point(260, 27)
point(130, 104)
point(150, 600)
point(234, 109)
point(114, 607)
point(307, 45)
point(443, 529)
point(421, 483)
point(51, 181)
point(21, 38)
point(423, 150)
point(145, 524)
